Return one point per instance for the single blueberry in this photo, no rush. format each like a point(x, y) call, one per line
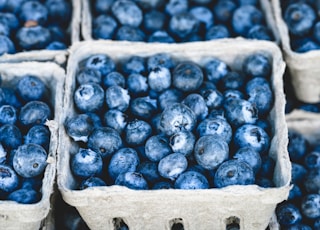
point(264, 182)
point(312, 160)
point(34, 183)
point(210, 151)
point(203, 14)
point(244, 18)
point(117, 98)
point(232, 80)
point(113, 78)
point(172, 165)
point(215, 70)
point(4, 29)
point(9, 180)
point(56, 45)
point(102, 6)
point(191, 180)
point(79, 127)
point(33, 38)
point(169, 97)
point(162, 185)
point(182, 142)
point(174, 7)
point(177, 117)
point(35, 113)
point(33, 11)
point(267, 167)
point(58, 34)
point(25, 196)
point(160, 60)
point(257, 65)
point(250, 156)
point(161, 36)
point(137, 84)
point(127, 13)
point(86, 163)
point(197, 104)
point(157, 147)
point(122, 161)
point(30, 88)
point(128, 33)
point(310, 206)
point(233, 172)
point(154, 20)
point(295, 193)
point(232, 93)
point(298, 173)
point(297, 146)
point(260, 32)
point(312, 180)
point(223, 10)
point(137, 132)
point(105, 141)
point(143, 107)
point(150, 4)
point(299, 18)
point(149, 171)
point(216, 113)
point(159, 79)
point(10, 136)
point(213, 98)
point(134, 64)
point(132, 180)
point(86, 75)
point(89, 97)
point(59, 12)
point(30, 160)
point(217, 127)
point(240, 111)
point(288, 214)
point(101, 62)
point(104, 27)
point(38, 134)
point(187, 76)
point(8, 114)
point(307, 45)
point(115, 119)
point(183, 24)
point(313, 108)
point(92, 182)
point(217, 32)
point(6, 45)
point(10, 19)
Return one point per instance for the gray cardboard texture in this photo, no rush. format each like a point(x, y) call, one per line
point(304, 67)
point(251, 206)
point(14, 216)
point(58, 56)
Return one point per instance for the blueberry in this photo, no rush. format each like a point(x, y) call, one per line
point(295, 193)
point(127, 33)
point(33, 11)
point(134, 64)
point(159, 79)
point(312, 160)
point(115, 119)
point(232, 80)
point(260, 32)
point(33, 38)
point(79, 127)
point(150, 4)
point(101, 62)
point(308, 45)
point(187, 76)
point(244, 18)
point(143, 107)
point(172, 165)
point(316, 224)
point(30, 160)
point(127, 13)
point(313, 108)
point(9, 180)
point(310, 206)
point(182, 142)
point(10, 136)
point(215, 70)
point(213, 98)
point(86, 75)
point(91, 182)
point(132, 180)
point(312, 181)
point(267, 167)
point(297, 146)
point(86, 163)
point(149, 171)
point(163, 185)
point(157, 147)
point(104, 27)
point(183, 25)
point(56, 45)
point(10, 20)
point(217, 32)
point(59, 12)
point(216, 113)
point(58, 34)
point(161, 36)
point(264, 182)
point(232, 93)
point(105, 141)
point(177, 117)
point(191, 180)
point(316, 32)
point(35, 112)
point(203, 14)
point(8, 115)
point(197, 104)
point(117, 98)
point(174, 7)
point(250, 156)
point(257, 65)
point(3, 155)
point(298, 173)
point(97, 122)
point(160, 60)
point(210, 151)
point(4, 29)
point(233, 172)
point(137, 84)
point(102, 6)
point(137, 132)
point(113, 78)
point(299, 18)
point(38, 134)
point(169, 97)
point(30, 88)
point(25, 196)
point(217, 127)
point(89, 97)
point(288, 214)
point(252, 136)
point(240, 111)
point(34, 183)
point(154, 20)
point(122, 161)
point(223, 10)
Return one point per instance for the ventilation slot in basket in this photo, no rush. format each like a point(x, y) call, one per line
point(119, 224)
point(233, 223)
point(176, 224)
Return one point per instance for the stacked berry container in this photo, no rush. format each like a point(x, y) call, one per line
point(302, 54)
point(245, 206)
point(24, 214)
point(38, 30)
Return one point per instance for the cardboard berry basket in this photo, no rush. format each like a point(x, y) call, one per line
point(251, 207)
point(304, 67)
point(58, 56)
point(17, 216)
point(87, 19)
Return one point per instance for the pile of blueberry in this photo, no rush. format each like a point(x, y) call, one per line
point(24, 139)
point(156, 122)
point(34, 24)
point(178, 20)
point(302, 19)
point(302, 209)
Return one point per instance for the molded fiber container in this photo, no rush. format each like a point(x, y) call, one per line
point(251, 207)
